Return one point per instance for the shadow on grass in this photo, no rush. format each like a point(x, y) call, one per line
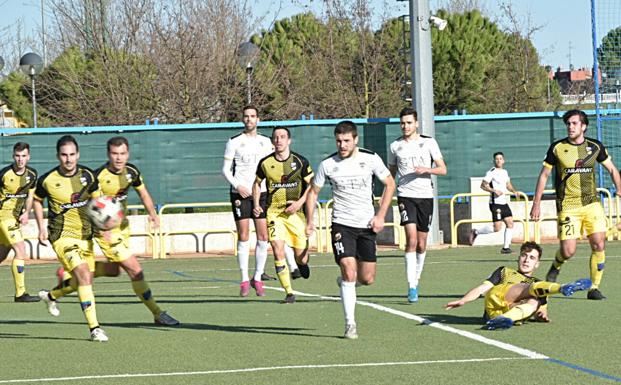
point(450, 319)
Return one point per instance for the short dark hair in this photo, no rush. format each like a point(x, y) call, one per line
point(408, 111)
point(498, 153)
point(583, 116)
point(64, 140)
point(282, 128)
point(21, 146)
point(346, 127)
point(117, 141)
point(529, 246)
point(250, 107)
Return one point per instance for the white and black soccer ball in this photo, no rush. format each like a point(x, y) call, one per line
point(105, 212)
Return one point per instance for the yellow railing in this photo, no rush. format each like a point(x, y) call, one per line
point(524, 221)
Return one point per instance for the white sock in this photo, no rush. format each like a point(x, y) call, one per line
point(420, 263)
point(485, 230)
point(508, 236)
point(410, 268)
point(290, 257)
point(260, 255)
point(243, 250)
point(348, 298)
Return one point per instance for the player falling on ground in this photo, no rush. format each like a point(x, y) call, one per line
point(355, 223)
point(115, 179)
point(287, 175)
point(413, 158)
point(515, 295)
point(498, 184)
point(68, 189)
point(577, 201)
point(17, 185)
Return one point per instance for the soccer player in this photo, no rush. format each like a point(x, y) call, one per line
point(115, 179)
point(287, 175)
point(414, 158)
point(355, 224)
point(241, 156)
point(498, 184)
point(68, 189)
point(515, 295)
point(577, 202)
point(17, 184)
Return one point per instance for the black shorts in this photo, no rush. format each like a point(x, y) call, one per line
point(242, 207)
point(353, 242)
point(416, 210)
point(500, 212)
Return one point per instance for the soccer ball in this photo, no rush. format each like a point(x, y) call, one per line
point(105, 212)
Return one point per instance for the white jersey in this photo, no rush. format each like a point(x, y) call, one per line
point(409, 154)
point(498, 179)
point(352, 185)
point(246, 151)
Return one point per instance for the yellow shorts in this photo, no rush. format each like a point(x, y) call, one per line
point(73, 252)
point(495, 303)
point(10, 232)
point(589, 219)
point(117, 250)
point(288, 228)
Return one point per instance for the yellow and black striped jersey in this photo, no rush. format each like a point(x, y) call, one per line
point(118, 184)
point(508, 276)
point(14, 190)
point(67, 199)
point(286, 180)
point(575, 171)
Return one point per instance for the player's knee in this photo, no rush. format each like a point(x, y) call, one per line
point(139, 276)
point(366, 281)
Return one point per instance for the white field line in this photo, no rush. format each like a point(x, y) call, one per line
point(260, 369)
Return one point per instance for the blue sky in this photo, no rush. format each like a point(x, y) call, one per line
point(564, 23)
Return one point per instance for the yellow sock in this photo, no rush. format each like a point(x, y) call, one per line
point(67, 287)
point(283, 275)
point(142, 290)
point(87, 301)
point(598, 258)
point(558, 260)
point(520, 312)
point(17, 267)
point(543, 289)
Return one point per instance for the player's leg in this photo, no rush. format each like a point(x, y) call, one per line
point(507, 218)
point(293, 265)
point(595, 227)
point(294, 234)
point(569, 230)
point(260, 251)
point(424, 214)
point(19, 273)
point(282, 271)
point(407, 212)
point(344, 247)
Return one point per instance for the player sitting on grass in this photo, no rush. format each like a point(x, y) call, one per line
point(515, 295)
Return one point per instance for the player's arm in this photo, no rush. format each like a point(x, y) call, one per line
point(311, 201)
point(438, 169)
point(23, 218)
point(470, 296)
point(377, 223)
point(38, 211)
point(511, 188)
point(256, 198)
point(294, 206)
point(614, 174)
point(393, 169)
point(485, 186)
point(535, 211)
point(147, 201)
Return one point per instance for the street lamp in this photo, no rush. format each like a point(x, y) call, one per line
point(247, 56)
point(31, 64)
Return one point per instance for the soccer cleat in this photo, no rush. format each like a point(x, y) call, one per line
point(98, 335)
point(413, 295)
point(295, 274)
point(304, 270)
point(266, 277)
point(350, 332)
point(595, 294)
point(572, 287)
point(290, 298)
point(472, 236)
point(27, 298)
point(258, 286)
point(499, 322)
point(552, 274)
point(506, 250)
point(165, 319)
point(50, 303)
point(244, 289)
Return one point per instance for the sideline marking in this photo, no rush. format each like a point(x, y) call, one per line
point(261, 369)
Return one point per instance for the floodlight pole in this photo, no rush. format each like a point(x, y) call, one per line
point(34, 98)
point(422, 87)
point(249, 69)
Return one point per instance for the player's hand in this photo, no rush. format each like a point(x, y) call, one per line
point(155, 221)
point(498, 193)
point(244, 192)
point(454, 304)
point(23, 219)
point(541, 315)
point(310, 227)
point(257, 211)
point(376, 224)
point(535, 211)
point(293, 207)
point(421, 170)
point(43, 237)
